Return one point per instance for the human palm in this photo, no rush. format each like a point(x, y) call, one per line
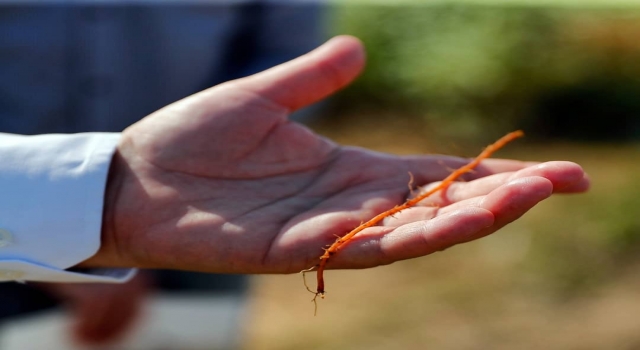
point(222, 182)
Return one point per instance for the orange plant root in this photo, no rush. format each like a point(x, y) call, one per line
point(341, 241)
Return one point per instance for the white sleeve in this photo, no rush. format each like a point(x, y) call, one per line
point(51, 200)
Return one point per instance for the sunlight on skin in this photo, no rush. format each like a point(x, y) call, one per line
point(222, 182)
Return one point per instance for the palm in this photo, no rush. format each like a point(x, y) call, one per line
point(282, 191)
point(222, 182)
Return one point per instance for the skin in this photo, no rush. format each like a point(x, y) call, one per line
point(222, 182)
point(102, 313)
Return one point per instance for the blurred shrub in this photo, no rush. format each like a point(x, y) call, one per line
point(474, 69)
point(584, 242)
point(586, 257)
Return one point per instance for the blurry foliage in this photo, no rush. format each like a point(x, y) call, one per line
point(574, 256)
point(586, 241)
point(474, 69)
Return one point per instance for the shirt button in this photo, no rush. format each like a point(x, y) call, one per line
point(5, 238)
point(10, 275)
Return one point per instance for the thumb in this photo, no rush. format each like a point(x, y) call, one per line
point(309, 78)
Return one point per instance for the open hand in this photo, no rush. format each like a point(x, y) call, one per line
point(221, 181)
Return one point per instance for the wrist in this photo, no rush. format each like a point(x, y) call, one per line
point(109, 254)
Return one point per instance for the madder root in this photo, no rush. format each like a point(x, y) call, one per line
point(341, 241)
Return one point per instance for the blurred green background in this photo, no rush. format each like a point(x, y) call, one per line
point(450, 77)
point(470, 68)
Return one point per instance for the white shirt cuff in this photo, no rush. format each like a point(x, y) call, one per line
point(51, 202)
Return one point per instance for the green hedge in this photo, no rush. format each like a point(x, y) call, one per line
point(475, 69)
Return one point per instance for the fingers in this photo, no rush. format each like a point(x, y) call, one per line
point(510, 202)
point(379, 245)
point(565, 177)
point(311, 77)
point(492, 212)
point(426, 237)
point(577, 187)
point(435, 168)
